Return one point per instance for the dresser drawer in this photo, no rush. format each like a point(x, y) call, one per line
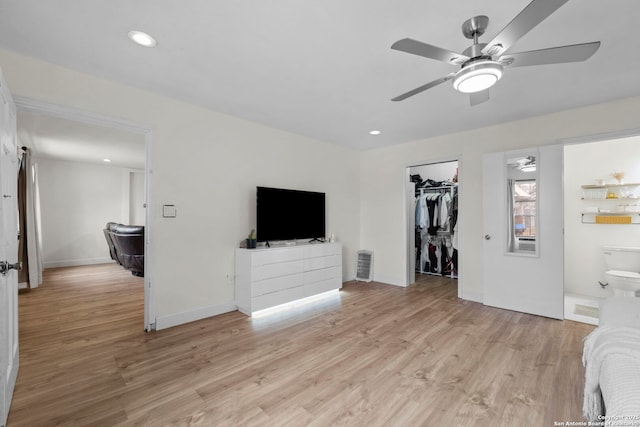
point(322, 274)
point(276, 255)
point(276, 298)
point(320, 287)
point(268, 271)
point(321, 262)
point(325, 249)
point(276, 284)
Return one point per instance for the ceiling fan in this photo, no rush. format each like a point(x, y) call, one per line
point(482, 64)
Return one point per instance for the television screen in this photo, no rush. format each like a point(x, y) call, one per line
point(289, 214)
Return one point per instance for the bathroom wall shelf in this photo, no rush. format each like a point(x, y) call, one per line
point(602, 212)
point(611, 192)
point(610, 186)
point(611, 218)
point(637, 199)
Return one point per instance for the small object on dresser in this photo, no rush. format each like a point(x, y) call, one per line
point(251, 240)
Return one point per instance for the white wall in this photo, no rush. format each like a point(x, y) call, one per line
point(382, 226)
point(208, 165)
point(444, 171)
point(77, 200)
point(583, 165)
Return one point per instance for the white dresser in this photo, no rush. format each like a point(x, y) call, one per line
point(267, 277)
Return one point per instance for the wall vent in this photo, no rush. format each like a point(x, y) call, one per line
point(364, 268)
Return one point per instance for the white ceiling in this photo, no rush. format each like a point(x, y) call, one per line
point(325, 69)
point(56, 138)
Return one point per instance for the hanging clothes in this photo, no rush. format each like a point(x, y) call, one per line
point(432, 206)
point(436, 207)
point(422, 215)
point(445, 207)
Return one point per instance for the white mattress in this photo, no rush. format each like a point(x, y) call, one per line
point(620, 387)
point(612, 364)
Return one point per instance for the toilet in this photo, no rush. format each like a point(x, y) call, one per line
point(623, 269)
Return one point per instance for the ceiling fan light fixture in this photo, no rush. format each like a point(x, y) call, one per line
point(477, 76)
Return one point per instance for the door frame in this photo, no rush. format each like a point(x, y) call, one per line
point(409, 235)
point(40, 107)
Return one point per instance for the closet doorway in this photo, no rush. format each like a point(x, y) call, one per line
point(432, 224)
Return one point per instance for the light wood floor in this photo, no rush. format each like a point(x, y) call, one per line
point(375, 355)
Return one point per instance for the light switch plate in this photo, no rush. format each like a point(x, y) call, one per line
point(168, 211)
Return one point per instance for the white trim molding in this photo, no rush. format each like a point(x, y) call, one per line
point(163, 322)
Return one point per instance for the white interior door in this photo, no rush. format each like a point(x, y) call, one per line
point(529, 281)
point(8, 252)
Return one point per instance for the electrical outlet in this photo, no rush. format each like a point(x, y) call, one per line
point(230, 278)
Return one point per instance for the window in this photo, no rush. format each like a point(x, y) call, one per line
point(524, 208)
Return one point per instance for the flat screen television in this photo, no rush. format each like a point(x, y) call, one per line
point(289, 214)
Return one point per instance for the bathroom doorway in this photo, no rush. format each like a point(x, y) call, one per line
point(591, 190)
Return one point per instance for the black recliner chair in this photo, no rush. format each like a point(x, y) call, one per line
point(109, 229)
point(126, 246)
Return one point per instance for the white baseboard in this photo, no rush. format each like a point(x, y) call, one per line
point(389, 281)
point(75, 262)
point(171, 320)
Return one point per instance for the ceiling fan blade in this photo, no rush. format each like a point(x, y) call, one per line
point(416, 47)
point(424, 87)
point(479, 97)
point(553, 55)
point(536, 12)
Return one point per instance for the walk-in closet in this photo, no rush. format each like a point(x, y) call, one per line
point(435, 217)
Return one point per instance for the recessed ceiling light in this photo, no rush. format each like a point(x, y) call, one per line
point(142, 38)
point(375, 132)
point(106, 160)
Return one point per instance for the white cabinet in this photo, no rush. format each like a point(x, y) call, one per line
point(268, 277)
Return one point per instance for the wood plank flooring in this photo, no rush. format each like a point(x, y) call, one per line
point(374, 355)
